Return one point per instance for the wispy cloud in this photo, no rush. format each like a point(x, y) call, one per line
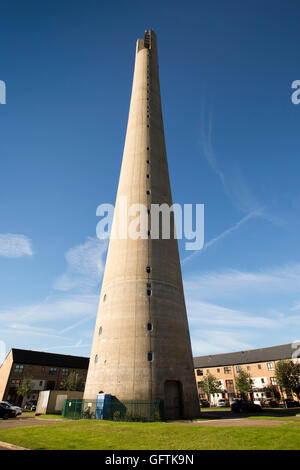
point(280, 279)
point(14, 245)
point(234, 184)
point(224, 234)
point(85, 266)
point(219, 324)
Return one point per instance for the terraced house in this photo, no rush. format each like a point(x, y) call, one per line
point(46, 371)
point(259, 363)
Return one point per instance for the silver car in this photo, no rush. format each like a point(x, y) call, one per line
point(17, 409)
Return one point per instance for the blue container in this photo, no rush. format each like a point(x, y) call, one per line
point(103, 404)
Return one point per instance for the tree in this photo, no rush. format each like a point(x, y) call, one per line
point(25, 388)
point(210, 385)
point(244, 383)
point(288, 376)
point(73, 383)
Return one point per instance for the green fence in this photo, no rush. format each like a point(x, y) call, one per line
point(116, 410)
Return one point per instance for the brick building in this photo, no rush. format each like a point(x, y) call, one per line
point(46, 371)
point(259, 363)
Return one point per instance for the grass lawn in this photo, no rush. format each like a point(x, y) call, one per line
point(108, 435)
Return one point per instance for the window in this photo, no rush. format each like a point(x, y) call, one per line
point(148, 192)
point(259, 366)
point(148, 176)
point(207, 371)
point(238, 368)
point(150, 356)
point(262, 381)
point(148, 148)
point(218, 371)
point(96, 358)
point(227, 370)
point(65, 372)
point(149, 292)
point(270, 366)
point(273, 380)
point(104, 298)
point(52, 371)
point(100, 330)
point(248, 367)
point(19, 368)
point(15, 382)
point(148, 161)
point(149, 327)
point(199, 384)
point(199, 372)
point(148, 269)
point(41, 383)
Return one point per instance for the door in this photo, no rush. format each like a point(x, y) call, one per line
point(173, 400)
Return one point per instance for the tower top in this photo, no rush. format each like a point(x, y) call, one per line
point(149, 41)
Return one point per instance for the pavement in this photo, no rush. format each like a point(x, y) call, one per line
point(24, 420)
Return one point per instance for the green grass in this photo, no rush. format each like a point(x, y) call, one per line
point(107, 435)
point(49, 417)
point(216, 408)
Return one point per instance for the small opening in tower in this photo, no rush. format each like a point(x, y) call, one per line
point(149, 327)
point(148, 176)
point(148, 211)
point(150, 356)
point(148, 192)
point(148, 125)
point(148, 233)
point(100, 330)
point(104, 298)
point(148, 148)
point(96, 358)
point(149, 292)
point(148, 269)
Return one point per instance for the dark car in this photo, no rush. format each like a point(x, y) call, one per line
point(243, 406)
point(30, 405)
point(289, 403)
point(6, 411)
point(204, 404)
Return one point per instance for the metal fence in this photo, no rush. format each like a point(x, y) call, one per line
point(115, 410)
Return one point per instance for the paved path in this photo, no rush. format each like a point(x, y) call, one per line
point(27, 421)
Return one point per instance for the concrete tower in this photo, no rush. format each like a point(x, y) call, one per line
point(141, 347)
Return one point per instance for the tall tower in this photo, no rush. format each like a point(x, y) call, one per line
point(141, 347)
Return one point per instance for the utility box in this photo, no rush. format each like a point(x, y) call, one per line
point(52, 401)
point(103, 404)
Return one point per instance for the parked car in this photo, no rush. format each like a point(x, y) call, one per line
point(222, 402)
point(16, 408)
point(240, 406)
point(288, 403)
point(204, 403)
point(30, 405)
point(6, 411)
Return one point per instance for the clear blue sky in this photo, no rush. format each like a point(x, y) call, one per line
point(232, 136)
